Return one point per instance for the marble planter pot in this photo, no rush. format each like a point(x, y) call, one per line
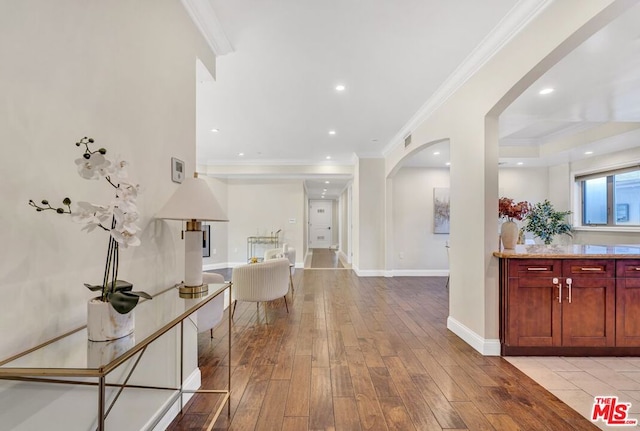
point(106, 324)
point(509, 234)
point(100, 353)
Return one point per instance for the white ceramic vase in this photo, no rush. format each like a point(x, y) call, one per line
point(100, 354)
point(106, 324)
point(509, 234)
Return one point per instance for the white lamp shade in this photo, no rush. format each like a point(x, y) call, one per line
point(193, 200)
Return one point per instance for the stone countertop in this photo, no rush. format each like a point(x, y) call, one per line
point(576, 251)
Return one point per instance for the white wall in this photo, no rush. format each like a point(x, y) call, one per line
point(219, 231)
point(423, 252)
point(111, 71)
point(260, 207)
point(416, 247)
point(569, 197)
point(369, 253)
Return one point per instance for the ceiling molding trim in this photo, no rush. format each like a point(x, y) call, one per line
point(278, 162)
point(205, 18)
point(514, 21)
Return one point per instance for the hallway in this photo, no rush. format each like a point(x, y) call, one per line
point(364, 353)
point(325, 258)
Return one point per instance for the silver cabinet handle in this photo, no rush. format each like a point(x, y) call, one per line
point(637, 269)
point(569, 283)
point(590, 269)
point(536, 269)
point(559, 286)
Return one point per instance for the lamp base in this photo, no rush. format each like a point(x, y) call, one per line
point(193, 291)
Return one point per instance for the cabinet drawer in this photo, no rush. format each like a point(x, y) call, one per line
point(596, 268)
point(628, 268)
point(535, 268)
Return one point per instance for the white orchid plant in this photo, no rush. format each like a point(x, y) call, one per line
point(118, 218)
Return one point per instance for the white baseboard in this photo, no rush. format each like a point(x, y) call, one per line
point(368, 272)
point(420, 273)
point(487, 347)
point(210, 266)
point(192, 383)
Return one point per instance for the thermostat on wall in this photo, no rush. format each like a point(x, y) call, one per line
point(177, 170)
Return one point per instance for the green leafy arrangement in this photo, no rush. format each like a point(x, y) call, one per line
point(545, 222)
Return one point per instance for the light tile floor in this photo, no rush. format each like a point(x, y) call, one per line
point(577, 380)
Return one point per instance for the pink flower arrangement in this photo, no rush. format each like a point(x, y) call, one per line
point(510, 210)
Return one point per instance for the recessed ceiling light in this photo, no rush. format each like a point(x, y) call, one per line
point(340, 87)
point(520, 163)
point(588, 152)
point(332, 132)
point(548, 90)
point(436, 153)
point(328, 157)
point(448, 163)
point(241, 154)
point(215, 130)
point(326, 182)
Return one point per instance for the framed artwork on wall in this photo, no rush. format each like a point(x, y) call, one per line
point(440, 210)
point(206, 240)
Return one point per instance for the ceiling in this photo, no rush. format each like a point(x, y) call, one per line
point(274, 99)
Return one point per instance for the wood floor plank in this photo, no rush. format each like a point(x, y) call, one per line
point(395, 414)
point(272, 411)
point(418, 409)
point(321, 415)
point(295, 423)
point(472, 417)
point(503, 423)
point(370, 413)
point(369, 353)
point(341, 385)
point(299, 391)
point(346, 413)
point(248, 411)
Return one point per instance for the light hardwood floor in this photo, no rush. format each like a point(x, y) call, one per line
point(364, 354)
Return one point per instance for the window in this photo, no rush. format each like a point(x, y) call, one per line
point(611, 198)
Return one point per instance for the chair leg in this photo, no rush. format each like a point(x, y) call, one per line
point(291, 281)
point(447, 285)
point(266, 317)
point(211, 333)
point(234, 308)
point(285, 302)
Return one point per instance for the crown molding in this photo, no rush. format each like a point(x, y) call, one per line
point(205, 18)
point(514, 21)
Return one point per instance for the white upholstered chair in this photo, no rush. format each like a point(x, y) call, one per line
point(289, 253)
point(261, 282)
point(211, 314)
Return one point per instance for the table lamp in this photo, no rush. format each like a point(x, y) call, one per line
point(193, 202)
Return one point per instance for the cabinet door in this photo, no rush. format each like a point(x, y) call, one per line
point(588, 307)
point(628, 303)
point(534, 313)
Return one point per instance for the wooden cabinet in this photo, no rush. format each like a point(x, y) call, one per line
point(588, 303)
point(534, 313)
point(565, 306)
point(628, 303)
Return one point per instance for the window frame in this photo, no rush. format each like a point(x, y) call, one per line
point(609, 174)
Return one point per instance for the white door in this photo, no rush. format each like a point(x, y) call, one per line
point(320, 216)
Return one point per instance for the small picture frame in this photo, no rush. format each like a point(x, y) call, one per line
point(206, 241)
point(177, 170)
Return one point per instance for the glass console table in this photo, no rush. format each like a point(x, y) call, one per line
point(71, 359)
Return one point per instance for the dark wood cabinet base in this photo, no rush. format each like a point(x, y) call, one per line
point(568, 351)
